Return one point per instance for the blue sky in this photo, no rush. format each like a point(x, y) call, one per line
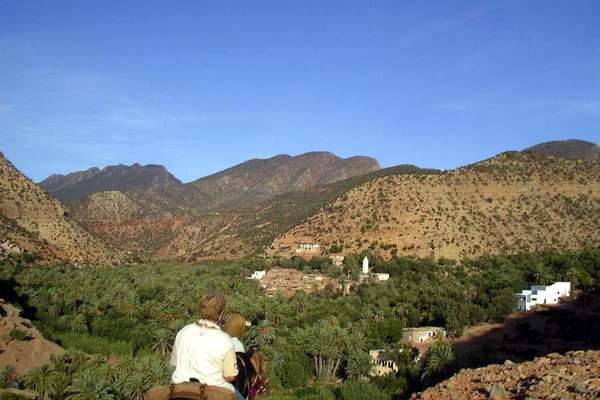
point(199, 86)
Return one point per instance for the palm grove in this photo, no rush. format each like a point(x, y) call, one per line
point(317, 344)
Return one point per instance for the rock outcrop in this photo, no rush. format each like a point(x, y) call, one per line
point(21, 344)
point(574, 375)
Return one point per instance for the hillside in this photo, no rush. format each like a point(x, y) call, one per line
point(512, 202)
point(258, 180)
point(21, 344)
point(77, 185)
point(134, 222)
point(574, 375)
point(571, 149)
point(34, 221)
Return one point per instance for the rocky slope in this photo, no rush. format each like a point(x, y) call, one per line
point(33, 221)
point(260, 179)
point(77, 185)
point(21, 344)
point(510, 203)
point(150, 228)
point(574, 375)
point(571, 149)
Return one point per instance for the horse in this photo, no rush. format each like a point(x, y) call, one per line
point(250, 381)
point(252, 376)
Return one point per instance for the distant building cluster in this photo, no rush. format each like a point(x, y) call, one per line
point(383, 362)
point(288, 280)
point(538, 295)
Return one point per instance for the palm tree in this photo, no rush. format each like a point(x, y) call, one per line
point(162, 342)
point(136, 384)
point(39, 379)
point(438, 360)
point(87, 386)
point(9, 378)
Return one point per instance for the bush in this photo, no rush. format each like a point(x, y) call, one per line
point(12, 396)
point(19, 334)
point(295, 372)
point(361, 391)
point(314, 393)
point(93, 344)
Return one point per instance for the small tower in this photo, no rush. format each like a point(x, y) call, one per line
point(365, 266)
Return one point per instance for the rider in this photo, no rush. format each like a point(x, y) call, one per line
point(202, 351)
point(234, 327)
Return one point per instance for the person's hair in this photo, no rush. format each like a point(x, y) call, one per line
point(212, 306)
point(235, 325)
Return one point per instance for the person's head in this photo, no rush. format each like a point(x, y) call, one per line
point(212, 307)
point(235, 325)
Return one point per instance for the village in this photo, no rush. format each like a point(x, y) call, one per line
point(287, 281)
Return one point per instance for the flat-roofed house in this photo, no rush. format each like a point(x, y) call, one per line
point(539, 294)
point(423, 334)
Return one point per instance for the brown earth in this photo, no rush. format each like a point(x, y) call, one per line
point(33, 221)
point(288, 280)
point(152, 228)
point(523, 336)
point(574, 375)
point(25, 354)
point(510, 203)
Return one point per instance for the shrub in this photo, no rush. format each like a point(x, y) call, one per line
point(19, 334)
point(360, 391)
point(314, 393)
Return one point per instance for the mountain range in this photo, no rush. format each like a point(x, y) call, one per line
point(544, 197)
point(77, 185)
point(33, 221)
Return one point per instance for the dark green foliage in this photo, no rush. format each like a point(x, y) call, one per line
point(9, 378)
point(360, 391)
point(133, 311)
point(19, 334)
point(12, 396)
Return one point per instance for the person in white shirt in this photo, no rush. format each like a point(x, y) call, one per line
point(234, 327)
point(202, 351)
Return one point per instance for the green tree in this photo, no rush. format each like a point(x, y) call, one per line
point(87, 386)
point(9, 378)
point(162, 342)
point(438, 361)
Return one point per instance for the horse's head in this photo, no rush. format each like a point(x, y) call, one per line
point(259, 379)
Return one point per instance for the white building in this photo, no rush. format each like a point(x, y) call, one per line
point(312, 248)
point(382, 277)
point(552, 294)
point(337, 260)
point(365, 266)
point(258, 275)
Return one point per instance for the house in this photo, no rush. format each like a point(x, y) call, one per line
point(258, 275)
point(539, 294)
point(308, 248)
point(423, 334)
point(337, 260)
point(382, 363)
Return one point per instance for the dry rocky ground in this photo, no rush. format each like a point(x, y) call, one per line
point(21, 344)
point(510, 203)
point(32, 220)
point(574, 375)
